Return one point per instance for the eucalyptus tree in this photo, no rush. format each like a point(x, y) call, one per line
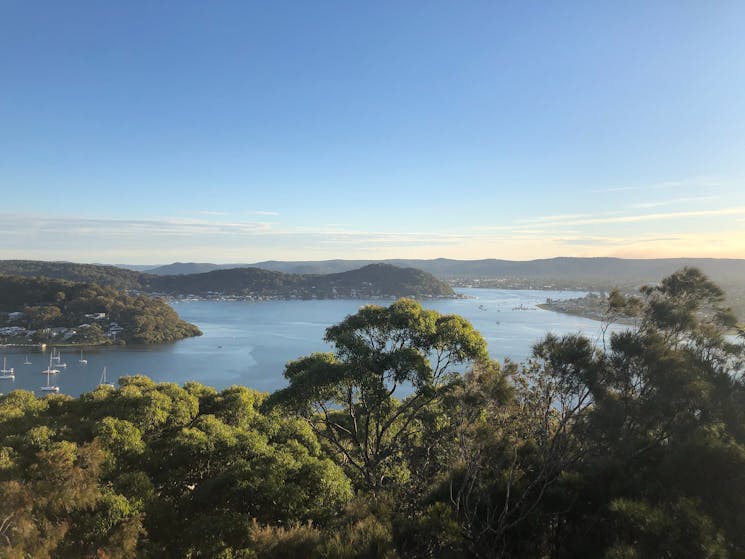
point(663, 436)
point(350, 396)
point(634, 448)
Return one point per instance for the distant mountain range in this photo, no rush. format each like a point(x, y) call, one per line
point(181, 268)
point(371, 281)
point(558, 272)
point(591, 274)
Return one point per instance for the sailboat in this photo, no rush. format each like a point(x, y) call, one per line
point(27, 361)
point(49, 387)
point(103, 381)
point(6, 373)
point(58, 358)
point(49, 370)
point(81, 360)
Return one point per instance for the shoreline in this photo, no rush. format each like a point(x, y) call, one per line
point(44, 346)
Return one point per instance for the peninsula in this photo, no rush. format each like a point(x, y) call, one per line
point(62, 302)
point(43, 310)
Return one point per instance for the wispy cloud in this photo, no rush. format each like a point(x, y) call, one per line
point(739, 210)
point(692, 182)
point(615, 241)
point(674, 202)
point(210, 212)
point(160, 240)
point(248, 212)
point(553, 218)
point(29, 224)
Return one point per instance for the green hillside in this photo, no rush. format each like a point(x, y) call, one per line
point(118, 278)
point(374, 280)
point(60, 311)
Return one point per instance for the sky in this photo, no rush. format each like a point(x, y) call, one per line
point(236, 131)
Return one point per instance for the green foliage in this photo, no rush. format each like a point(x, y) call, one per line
point(348, 397)
point(372, 280)
point(368, 281)
point(50, 303)
point(634, 448)
point(144, 470)
point(673, 529)
point(111, 276)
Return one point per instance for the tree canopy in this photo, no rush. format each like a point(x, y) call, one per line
point(349, 396)
point(406, 441)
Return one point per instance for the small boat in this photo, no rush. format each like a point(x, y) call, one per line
point(103, 381)
point(49, 370)
point(58, 358)
point(81, 360)
point(6, 373)
point(27, 361)
point(49, 387)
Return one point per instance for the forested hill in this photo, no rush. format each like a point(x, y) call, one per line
point(625, 271)
point(59, 311)
point(179, 268)
point(374, 280)
point(561, 272)
point(111, 276)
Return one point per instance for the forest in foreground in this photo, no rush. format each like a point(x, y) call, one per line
point(633, 447)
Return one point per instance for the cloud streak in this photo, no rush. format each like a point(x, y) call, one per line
point(673, 202)
point(25, 224)
point(692, 182)
point(177, 238)
point(574, 220)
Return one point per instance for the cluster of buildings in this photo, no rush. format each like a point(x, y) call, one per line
point(19, 334)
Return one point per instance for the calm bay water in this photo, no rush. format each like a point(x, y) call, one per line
point(249, 343)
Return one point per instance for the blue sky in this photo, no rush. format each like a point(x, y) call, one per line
point(149, 132)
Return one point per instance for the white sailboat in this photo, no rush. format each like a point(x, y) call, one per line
point(49, 387)
point(58, 358)
point(6, 373)
point(27, 361)
point(103, 381)
point(81, 360)
point(50, 370)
